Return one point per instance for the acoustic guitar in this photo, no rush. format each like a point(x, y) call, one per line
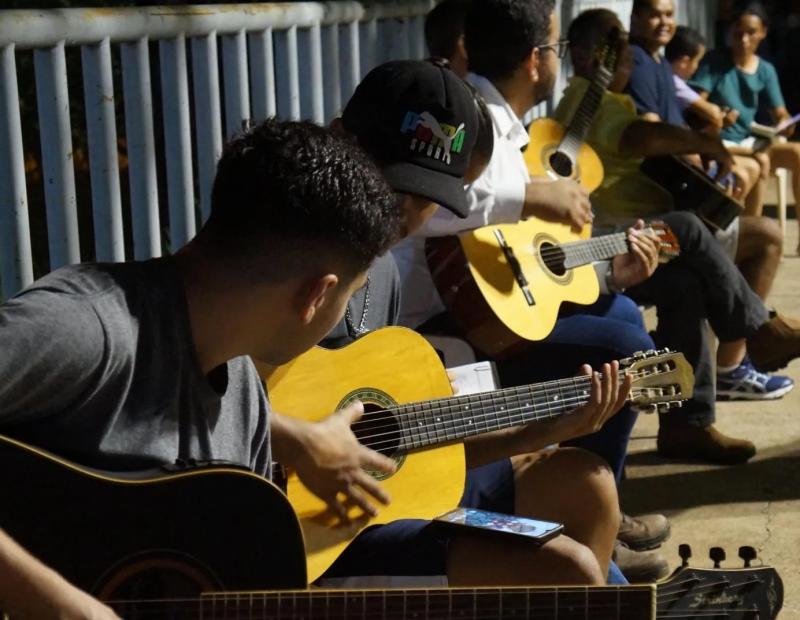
point(504, 285)
point(395, 373)
point(220, 543)
point(562, 153)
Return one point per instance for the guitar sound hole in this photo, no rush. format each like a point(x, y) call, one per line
point(378, 429)
point(553, 258)
point(156, 576)
point(561, 164)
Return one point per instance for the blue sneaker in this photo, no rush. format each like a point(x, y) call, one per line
point(746, 383)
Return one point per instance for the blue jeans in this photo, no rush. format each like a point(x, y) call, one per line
point(612, 328)
point(419, 547)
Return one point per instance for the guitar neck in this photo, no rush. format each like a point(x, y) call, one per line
point(575, 134)
point(607, 602)
point(586, 251)
point(446, 420)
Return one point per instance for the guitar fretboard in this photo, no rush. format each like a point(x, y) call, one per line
point(575, 134)
point(563, 603)
point(584, 252)
point(447, 420)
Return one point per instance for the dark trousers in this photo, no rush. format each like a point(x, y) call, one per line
point(610, 329)
point(702, 284)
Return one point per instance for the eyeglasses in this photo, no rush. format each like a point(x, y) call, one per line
point(560, 47)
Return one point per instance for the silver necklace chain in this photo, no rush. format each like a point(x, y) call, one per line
point(359, 331)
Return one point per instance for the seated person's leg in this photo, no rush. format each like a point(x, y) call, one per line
point(610, 329)
point(748, 170)
point(758, 252)
point(416, 547)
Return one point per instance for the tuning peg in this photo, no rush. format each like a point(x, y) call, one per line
point(748, 554)
point(717, 555)
point(685, 551)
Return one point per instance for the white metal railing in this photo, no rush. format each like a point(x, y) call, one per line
point(247, 61)
point(218, 65)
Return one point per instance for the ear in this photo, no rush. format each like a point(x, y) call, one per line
point(532, 64)
point(313, 295)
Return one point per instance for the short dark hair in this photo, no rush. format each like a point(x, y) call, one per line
point(590, 28)
point(500, 34)
point(686, 42)
point(284, 183)
point(638, 5)
point(750, 7)
point(444, 25)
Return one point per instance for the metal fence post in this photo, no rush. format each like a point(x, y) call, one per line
point(16, 265)
point(178, 142)
point(101, 132)
point(57, 155)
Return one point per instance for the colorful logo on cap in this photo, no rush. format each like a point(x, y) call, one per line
point(437, 140)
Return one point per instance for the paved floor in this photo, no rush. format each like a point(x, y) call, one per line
point(756, 504)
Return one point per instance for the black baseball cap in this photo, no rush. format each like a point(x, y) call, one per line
point(418, 121)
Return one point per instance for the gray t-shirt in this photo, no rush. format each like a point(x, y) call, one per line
point(97, 364)
point(383, 308)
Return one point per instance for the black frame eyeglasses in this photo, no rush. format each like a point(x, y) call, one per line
point(559, 47)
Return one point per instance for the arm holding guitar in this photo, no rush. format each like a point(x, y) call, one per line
point(646, 139)
point(29, 589)
point(329, 459)
point(564, 201)
point(607, 398)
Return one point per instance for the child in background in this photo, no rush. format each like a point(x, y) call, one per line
point(740, 79)
point(685, 52)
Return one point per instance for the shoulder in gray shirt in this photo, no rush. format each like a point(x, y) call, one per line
point(97, 364)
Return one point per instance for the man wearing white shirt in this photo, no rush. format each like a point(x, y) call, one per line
point(513, 52)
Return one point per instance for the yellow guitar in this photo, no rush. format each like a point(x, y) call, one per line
point(558, 152)
point(504, 284)
point(395, 365)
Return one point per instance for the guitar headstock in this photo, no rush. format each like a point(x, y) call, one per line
point(661, 380)
point(668, 245)
point(736, 593)
point(608, 52)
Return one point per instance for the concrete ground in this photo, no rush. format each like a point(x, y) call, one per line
point(757, 504)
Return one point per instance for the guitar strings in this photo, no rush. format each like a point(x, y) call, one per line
point(518, 419)
point(537, 394)
point(458, 425)
point(512, 392)
point(430, 426)
point(227, 606)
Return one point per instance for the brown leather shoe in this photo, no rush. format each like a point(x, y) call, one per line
point(643, 532)
point(639, 566)
point(703, 444)
point(775, 344)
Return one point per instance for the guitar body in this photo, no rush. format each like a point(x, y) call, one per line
point(474, 279)
point(545, 138)
point(391, 365)
point(159, 536)
point(477, 285)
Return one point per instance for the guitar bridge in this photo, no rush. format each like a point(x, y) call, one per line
point(516, 268)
